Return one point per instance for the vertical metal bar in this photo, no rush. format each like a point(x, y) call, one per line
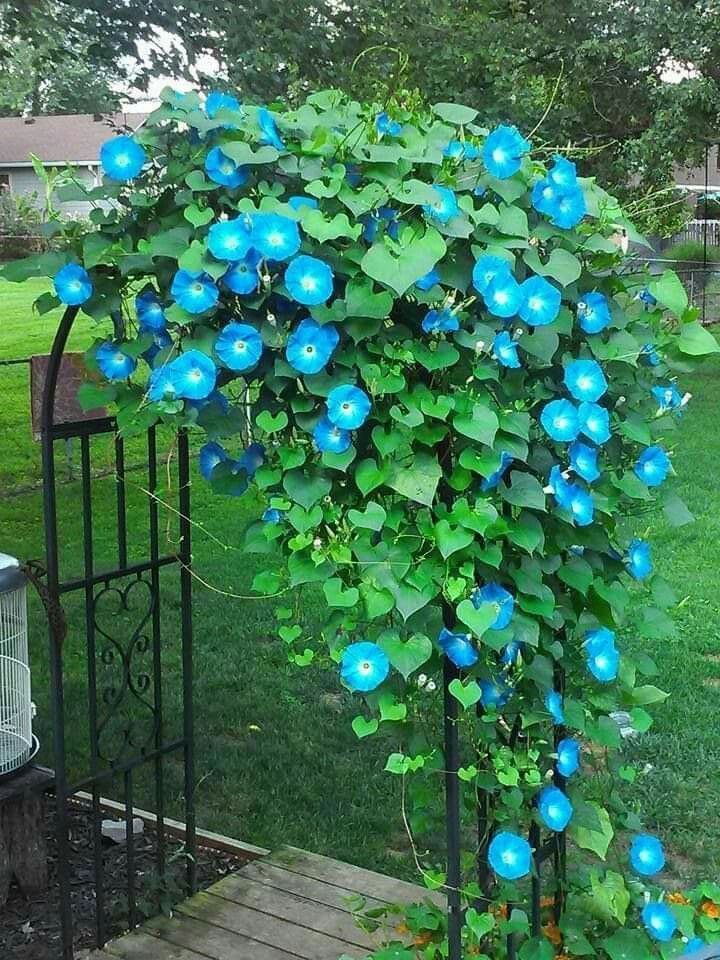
point(89, 565)
point(57, 706)
point(452, 811)
point(534, 840)
point(705, 226)
point(185, 555)
point(157, 657)
point(121, 507)
point(130, 848)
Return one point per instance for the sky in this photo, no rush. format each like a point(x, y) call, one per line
point(141, 101)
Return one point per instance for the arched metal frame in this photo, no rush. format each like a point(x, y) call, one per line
point(553, 848)
point(145, 686)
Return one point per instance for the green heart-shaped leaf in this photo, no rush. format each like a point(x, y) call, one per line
point(390, 710)
point(451, 539)
point(197, 217)
point(372, 518)
point(365, 728)
point(406, 655)
point(416, 256)
point(306, 488)
point(478, 619)
point(271, 424)
point(482, 424)
point(468, 694)
point(468, 773)
point(336, 596)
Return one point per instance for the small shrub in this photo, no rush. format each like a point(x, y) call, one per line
point(20, 223)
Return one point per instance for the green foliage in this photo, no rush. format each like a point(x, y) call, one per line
point(401, 528)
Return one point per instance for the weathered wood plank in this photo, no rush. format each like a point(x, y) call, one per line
point(143, 946)
point(328, 893)
point(282, 905)
point(351, 877)
point(210, 941)
point(298, 940)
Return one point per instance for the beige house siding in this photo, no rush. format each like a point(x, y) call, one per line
point(24, 181)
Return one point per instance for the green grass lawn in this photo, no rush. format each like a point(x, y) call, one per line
point(276, 759)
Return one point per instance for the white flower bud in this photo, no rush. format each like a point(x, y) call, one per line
point(317, 543)
point(422, 680)
point(431, 686)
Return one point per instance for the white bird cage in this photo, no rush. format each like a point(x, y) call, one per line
point(16, 707)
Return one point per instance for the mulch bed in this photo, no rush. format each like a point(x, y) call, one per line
point(30, 929)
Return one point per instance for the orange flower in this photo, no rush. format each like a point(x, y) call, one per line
point(710, 909)
point(677, 898)
point(552, 932)
point(500, 910)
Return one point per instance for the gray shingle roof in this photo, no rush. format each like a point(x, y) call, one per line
point(73, 138)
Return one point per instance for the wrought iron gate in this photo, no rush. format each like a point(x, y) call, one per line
point(127, 729)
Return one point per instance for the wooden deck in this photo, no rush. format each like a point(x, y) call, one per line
point(289, 905)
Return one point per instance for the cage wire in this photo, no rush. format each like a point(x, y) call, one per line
point(16, 709)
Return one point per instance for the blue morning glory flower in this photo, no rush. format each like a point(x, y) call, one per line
point(121, 158)
point(603, 659)
point(273, 515)
point(444, 208)
point(444, 320)
point(563, 173)
point(585, 379)
point(458, 647)
point(196, 292)
point(494, 593)
point(216, 101)
point(569, 209)
point(638, 560)
point(659, 921)
point(73, 285)
point(554, 808)
point(275, 236)
point(392, 220)
point(428, 281)
point(695, 943)
point(113, 363)
point(243, 276)
point(560, 420)
point(504, 296)
point(509, 855)
point(223, 169)
point(503, 151)
point(560, 488)
point(230, 239)
point(594, 422)
point(193, 374)
point(652, 466)
point(593, 312)
point(647, 856)
point(583, 460)
point(383, 125)
point(301, 202)
point(309, 280)
point(330, 438)
point(541, 302)
point(487, 268)
point(491, 482)
point(268, 129)
point(214, 397)
point(348, 407)
point(371, 226)
point(161, 385)
point(647, 298)
point(668, 398)
point(252, 458)
point(553, 705)
point(581, 506)
point(495, 692)
point(461, 150)
point(568, 757)
point(364, 666)
point(149, 311)
point(511, 653)
point(545, 196)
point(505, 349)
point(211, 454)
point(160, 341)
point(239, 346)
point(311, 345)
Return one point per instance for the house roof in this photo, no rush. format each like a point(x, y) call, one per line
point(68, 138)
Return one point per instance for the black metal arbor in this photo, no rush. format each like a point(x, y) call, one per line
point(128, 733)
